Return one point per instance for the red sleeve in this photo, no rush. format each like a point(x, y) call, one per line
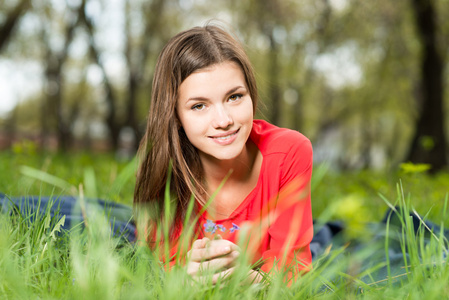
point(292, 230)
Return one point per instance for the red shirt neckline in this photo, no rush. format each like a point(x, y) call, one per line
point(251, 194)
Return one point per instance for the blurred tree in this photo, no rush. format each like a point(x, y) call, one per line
point(266, 26)
point(11, 127)
point(137, 53)
point(366, 98)
point(12, 19)
point(137, 49)
point(301, 75)
point(110, 97)
point(343, 71)
point(429, 141)
point(53, 105)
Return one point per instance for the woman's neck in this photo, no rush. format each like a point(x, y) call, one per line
point(243, 179)
point(239, 169)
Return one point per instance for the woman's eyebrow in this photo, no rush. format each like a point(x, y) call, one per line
point(233, 90)
point(200, 98)
point(197, 98)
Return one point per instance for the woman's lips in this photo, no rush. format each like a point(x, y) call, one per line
point(225, 138)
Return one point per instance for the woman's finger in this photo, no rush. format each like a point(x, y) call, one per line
point(219, 243)
point(219, 263)
point(211, 266)
point(216, 277)
point(199, 255)
point(213, 249)
point(192, 268)
point(201, 243)
point(222, 275)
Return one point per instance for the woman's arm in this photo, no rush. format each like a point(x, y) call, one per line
point(291, 228)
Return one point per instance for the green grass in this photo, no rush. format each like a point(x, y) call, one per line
point(99, 174)
point(38, 263)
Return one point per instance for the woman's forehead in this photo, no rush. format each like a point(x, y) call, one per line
point(218, 78)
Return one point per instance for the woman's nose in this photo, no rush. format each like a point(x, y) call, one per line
point(222, 118)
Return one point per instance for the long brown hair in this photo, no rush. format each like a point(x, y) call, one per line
point(165, 142)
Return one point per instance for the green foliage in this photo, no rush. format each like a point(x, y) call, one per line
point(24, 147)
point(426, 192)
point(414, 168)
point(37, 260)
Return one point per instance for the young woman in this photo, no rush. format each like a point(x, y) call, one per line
point(201, 125)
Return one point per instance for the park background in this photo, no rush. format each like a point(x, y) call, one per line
point(365, 81)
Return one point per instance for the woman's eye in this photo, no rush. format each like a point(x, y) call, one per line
point(235, 97)
point(198, 106)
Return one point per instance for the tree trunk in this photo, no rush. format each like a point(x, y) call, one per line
point(111, 118)
point(298, 111)
point(274, 74)
point(137, 64)
point(429, 142)
point(131, 119)
point(55, 61)
point(11, 21)
point(11, 127)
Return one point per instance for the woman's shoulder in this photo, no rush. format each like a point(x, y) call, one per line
point(273, 139)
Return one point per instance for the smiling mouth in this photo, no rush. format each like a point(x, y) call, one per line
point(226, 137)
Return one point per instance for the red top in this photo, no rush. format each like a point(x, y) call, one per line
point(277, 213)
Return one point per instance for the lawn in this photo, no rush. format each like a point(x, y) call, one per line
point(37, 261)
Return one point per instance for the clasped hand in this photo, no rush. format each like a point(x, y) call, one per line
point(217, 257)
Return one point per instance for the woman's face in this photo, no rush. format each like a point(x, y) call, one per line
point(216, 111)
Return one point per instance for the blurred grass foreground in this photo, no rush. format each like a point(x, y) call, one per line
point(39, 259)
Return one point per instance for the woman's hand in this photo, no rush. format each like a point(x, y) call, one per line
point(216, 257)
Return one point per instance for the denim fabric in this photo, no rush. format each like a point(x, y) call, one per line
point(118, 215)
